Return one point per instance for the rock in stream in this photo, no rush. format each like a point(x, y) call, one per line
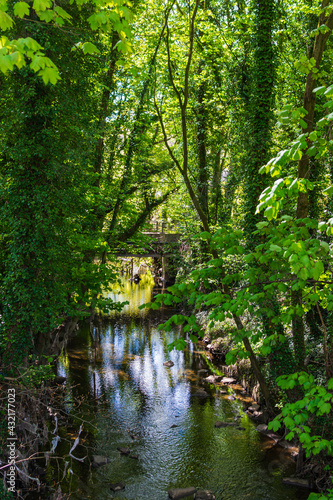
point(177, 493)
point(204, 495)
point(99, 460)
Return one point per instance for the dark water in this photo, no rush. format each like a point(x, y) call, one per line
point(128, 392)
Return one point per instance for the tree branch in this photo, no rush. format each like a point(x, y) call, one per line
point(177, 92)
point(165, 138)
point(189, 59)
point(128, 233)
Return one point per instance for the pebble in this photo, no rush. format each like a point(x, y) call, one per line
point(168, 363)
point(124, 451)
point(117, 487)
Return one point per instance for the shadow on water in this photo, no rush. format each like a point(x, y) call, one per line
point(132, 400)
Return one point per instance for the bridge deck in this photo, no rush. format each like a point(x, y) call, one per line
point(161, 240)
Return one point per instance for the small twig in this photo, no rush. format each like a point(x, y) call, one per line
point(55, 442)
point(21, 473)
point(56, 424)
point(76, 442)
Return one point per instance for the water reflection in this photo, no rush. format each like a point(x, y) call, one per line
point(135, 293)
point(136, 402)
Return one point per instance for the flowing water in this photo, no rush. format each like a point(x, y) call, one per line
point(129, 399)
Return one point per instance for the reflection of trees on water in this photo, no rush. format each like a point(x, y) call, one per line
point(126, 366)
point(133, 357)
point(135, 293)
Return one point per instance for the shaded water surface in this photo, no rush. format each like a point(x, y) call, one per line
point(133, 401)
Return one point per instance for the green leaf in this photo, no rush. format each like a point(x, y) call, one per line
point(328, 190)
point(31, 44)
point(288, 421)
point(329, 91)
point(62, 13)
point(325, 245)
point(18, 59)
point(275, 248)
point(305, 260)
point(6, 22)
point(303, 273)
point(6, 64)
point(98, 20)
point(323, 28)
point(265, 350)
point(50, 75)
point(230, 358)
point(322, 226)
point(21, 9)
point(194, 338)
point(318, 270)
point(317, 496)
point(322, 122)
point(46, 15)
point(274, 425)
point(90, 48)
point(205, 235)
point(37, 63)
point(312, 151)
point(325, 408)
point(269, 212)
point(286, 217)
point(264, 169)
point(262, 224)
point(40, 5)
point(319, 90)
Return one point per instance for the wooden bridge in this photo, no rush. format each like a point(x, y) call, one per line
point(156, 245)
point(160, 235)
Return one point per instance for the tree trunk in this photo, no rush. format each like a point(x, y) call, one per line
point(303, 206)
point(203, 175)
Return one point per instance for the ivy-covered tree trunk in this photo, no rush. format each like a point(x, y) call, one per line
point(260, 106)
point(45, 134)
point(35, 258)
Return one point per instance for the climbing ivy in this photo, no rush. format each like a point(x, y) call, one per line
point(259, 109)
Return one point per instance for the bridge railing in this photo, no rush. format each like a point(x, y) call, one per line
point(162, 227)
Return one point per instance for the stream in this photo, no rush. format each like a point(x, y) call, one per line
point(129, 399)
